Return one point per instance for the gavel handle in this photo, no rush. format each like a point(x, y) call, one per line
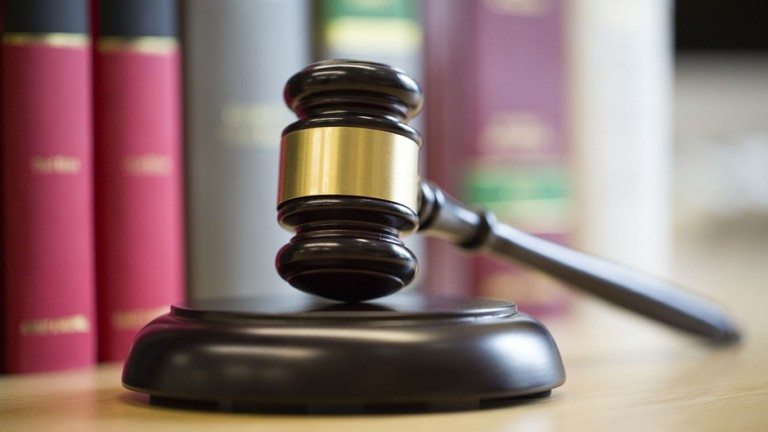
point(475, 229)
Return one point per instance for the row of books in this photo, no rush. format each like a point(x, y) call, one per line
point(143, 170)
point(116, 201)
point(92, 177)
point(556, 116)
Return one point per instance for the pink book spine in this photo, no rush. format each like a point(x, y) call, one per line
point(139, 226)
point(48, 262)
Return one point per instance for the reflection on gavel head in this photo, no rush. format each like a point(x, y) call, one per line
point(349, 182)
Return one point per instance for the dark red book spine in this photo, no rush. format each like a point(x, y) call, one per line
point(446, 135)
point(518, 166)
point(48, 262)
point(138, 170)
point(497, 134)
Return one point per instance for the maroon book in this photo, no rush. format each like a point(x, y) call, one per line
point(446, 88)
point(138, 169)
point(48, 261)
point(501, 128)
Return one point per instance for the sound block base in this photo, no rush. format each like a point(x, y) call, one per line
point(299, 353)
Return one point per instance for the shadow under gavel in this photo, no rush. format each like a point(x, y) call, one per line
point(349, 188)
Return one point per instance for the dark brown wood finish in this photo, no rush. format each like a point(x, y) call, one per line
point(348, 248)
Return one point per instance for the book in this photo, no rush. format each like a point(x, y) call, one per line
point(450, 270)
point(506, 118)
point(384, 31)
point(138, 168)
point(238, 55)
point(47, 209)
point(620, 65)
point(558, 114)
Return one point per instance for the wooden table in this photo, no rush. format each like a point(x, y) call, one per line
point(624, 373)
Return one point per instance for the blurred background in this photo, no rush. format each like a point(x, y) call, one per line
point(720, 148)
point(720, 134)
point(636, 130)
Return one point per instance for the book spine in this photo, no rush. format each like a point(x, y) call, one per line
point(138, 168)
point(238, 54)
point(386, 31)
point(447, 55)
point(620, 68)
point(518, 163)
point(49, 316)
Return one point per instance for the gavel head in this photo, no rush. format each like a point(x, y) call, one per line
point(349, 180)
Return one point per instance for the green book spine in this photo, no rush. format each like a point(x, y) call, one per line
point(387, 31)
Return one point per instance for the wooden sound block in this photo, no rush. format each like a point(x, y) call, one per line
point(303, 352)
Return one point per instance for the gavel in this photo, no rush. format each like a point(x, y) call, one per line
point(349, 187)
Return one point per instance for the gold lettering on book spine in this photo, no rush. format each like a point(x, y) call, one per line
point(252, 125)
point(55, 326)
point(56, 164)
point(148, 164)
point(135, 319)
point(529, 8)
point(152, 45)
point(59, 40)
point(517, 131)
